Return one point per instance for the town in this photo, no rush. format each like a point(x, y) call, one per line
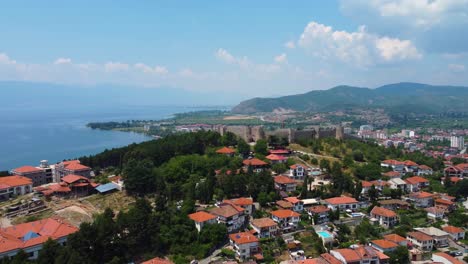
point(368, 197)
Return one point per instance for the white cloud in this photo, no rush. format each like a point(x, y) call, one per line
point(456, 67)
point(281, 58)
point(62, 61)
point(153, 70)
point(115, 66)
point(225, 56)
point(4, 59)
point(359, 47)
point(290, 45)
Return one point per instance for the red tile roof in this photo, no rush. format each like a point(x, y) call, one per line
point(341, 200)
point(254, 162)
point(279, 151)
point(201, 216)
point(384, 244)
point(11, 238)
point(444, 202)
point(330, 259)
point(283, 180)
point(383, 212)
point(392, 174)
point(416, 180)
point(263, 222)
point(449, 258)
point(292, 200)
point(421, 195)
point(393, 162)
point(225, 150)
point(394, 238)
point(227, 210)
point(424, 167)
point(419, 236)
point(14, 181)
point(410, 163)
point(26, 169)
point(243, 238)
point(70, 178)
point(76, 167)
point(158, 261)
point(285, 213)
point(453, 229)
point(366, 184)
point(319, 209)
point(275, 157)
point(240, 201)
point(284, 204)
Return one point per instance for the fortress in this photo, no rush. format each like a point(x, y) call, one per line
point(254, 133)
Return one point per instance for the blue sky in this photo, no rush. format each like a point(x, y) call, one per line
point(256, 48)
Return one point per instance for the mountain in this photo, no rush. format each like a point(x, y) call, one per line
point(399, 97)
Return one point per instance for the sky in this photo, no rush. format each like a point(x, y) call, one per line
point(249, 48)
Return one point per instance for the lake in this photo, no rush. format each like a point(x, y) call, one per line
point(28, 135)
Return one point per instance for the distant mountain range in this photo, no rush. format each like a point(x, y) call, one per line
point(399, 97)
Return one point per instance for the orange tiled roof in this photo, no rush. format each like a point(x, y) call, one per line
point(201, 216)
point(349, 255)
point(158, 261)
point(225, 150)
point(383, 212)
point(227, 210)
point(275, 157)
point(70, 178)
point(12, 238)
point(443, 201)
point(279, 151)
point(341, 200)
point(292, 200)
point(26, 169)
point(394, 238)
point(75, 166)
point(254, 162)
point(453, 229)
point(284, 180)
point(330, 259)
point(263, 222)
point(421, 195)
point(410, 163)
point(240, 201)
point(392, 174)
point(419, 236)
point(14, 181)
point(319, 209)
point(424, 167)
point(449, 258)
point(416, 180)
point(243, 238)
point(284, 204)
point(393, 162)
point(284, 213)
point(384, 244)
point(366, 184)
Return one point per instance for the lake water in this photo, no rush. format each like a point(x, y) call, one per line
point(28, 135)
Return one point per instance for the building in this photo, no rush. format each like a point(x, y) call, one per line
point(297, 172)
point(226, 151)
point(359, 255)
point(444, 258)
point(439, 237)
point(393, 204)
point(457, 142)
point(422, 199)
point(256, 164)
point(31, 236)
point(460, 171)
point(456, 233)
point(202, 218)
point(395, 165)
point(420, 240)
point(265, 227)
point(245, 203)
point(398, 183)
point(416, 183)
point(245, 245)
point(276, 159)
point(383, 245)
point(396, 239)
point(287, 220)
point(286, 184)
point(424, 170)
point(12, 186)
point(157, 261)
point(297, 205)
point(39, 176)
point(73, 167)
point(71, 186)
point(384, 217)
point(435, 213)
point(319, 213)
point(343, 203)
point(446, 205)
point(230, 215)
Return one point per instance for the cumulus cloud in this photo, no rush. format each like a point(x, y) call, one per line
point(62, 61)
point(115, 66)
point(4, 59)
point(281, 58)
point(244, 63)
point(456, 67)
point(290, 45)
point(359, 47)
point(153, 70)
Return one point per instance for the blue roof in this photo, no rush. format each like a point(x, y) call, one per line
point(30, 235)
point(107, 187)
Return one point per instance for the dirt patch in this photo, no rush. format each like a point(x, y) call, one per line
point(75, 214)
point(239, 117)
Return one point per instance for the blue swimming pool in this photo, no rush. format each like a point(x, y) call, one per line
point(324, 234)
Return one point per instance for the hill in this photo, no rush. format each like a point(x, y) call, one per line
point(399, 97)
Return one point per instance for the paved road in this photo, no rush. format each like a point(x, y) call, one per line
point(210, 257)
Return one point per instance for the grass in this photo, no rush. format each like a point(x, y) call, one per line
point(118, 201)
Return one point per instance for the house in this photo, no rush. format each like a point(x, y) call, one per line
point(245, 203)
point(297, 172)
point(392, 174)
point(422, 199)
point(383, 245)
point(31, 236)
point(73, 167)
point(319, 213)
point(12, 186)
point(284, 204)
point(420, 240)
point(456, 233)
point(38, 176)
point(395, 165)
point(71, 186)
point(416, 183)
point(439, 237)
point(398, 183)
point(396, 239)
point(276, 159)
point(226, 151)
point(444, 258)
point(286, 219)
point(424, 170)
point(460, 171)
point(283, 152)
point(359, 255)
point(385, 217)
point(256, 164)
point(393, 204)
point(446, 205)
point(202, 218)
point(230, 215)
point(342, 203)
point(410, 166)
point(298, 205)
point(158, 261)
point(265, 227)
point(245, 245)
point(285, 184)
point(435, 213)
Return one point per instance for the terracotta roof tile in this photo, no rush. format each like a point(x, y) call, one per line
point(416, 180)
point(70, 178)
point(275, 157)
point(453, 229)
point(394, 238)
point(421, 195)
point(384, 244)
point(449, 258)
point(240, 201)
point(341, 200)
point(284, 213)
point(383, 212)
point(419, 236)
point(319, 209)
point(158, 261)
point(76, 167)
point(283, 180)
point(14, 181)
point(225, 150)
point(254, 162)
point(284, 204)
point(227, 210)
point(263, 222)
point(26, 169)
point(292, 200)
point(201, 216)
point(243, 238)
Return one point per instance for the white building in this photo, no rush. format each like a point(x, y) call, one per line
point(457, 142)
point(12, 186)
point(245, 245)
point(286, 219)
point(202, 218)
point(420, 240)
point(264, 227)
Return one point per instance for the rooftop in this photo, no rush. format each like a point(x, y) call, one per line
point(285, 213)
point(284, 180)
point(243, 238)
point(341, 200)
point(394, 238)
point(263, 222)
point(254, 162)
point(383, 212)
point(225, 150)
point(26, 169)
point(14, 181)
point(384, 244)
point(201, 216)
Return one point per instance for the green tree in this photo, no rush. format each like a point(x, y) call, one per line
point(243, 147)
point(399, 256)
point(358, 190)
point(229, 139)
point(305, 186)
point(373, 193)
point(138, 176)
point(325, 165)
point(261, 147)
point(49, 251)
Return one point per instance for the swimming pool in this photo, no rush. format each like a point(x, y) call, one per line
point(324, 234)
